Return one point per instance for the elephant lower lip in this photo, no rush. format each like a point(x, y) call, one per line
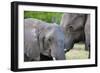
point(66, 50)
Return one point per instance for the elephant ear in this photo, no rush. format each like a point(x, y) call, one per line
point(31, 51)
point(42, 33)
point(43, 42)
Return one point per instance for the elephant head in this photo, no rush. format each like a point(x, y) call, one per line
point(52, 42)
point(43, 38)
point(73, 27)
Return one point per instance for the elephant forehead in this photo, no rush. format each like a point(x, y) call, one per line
point(34, 26)
point(34, 32)
point(39, 27)
point(31, 26)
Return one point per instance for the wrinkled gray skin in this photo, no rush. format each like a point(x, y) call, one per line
point(76, 28)
point(87, 34)
point(44, 38)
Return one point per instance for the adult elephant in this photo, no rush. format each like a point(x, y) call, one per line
point(76, 28)
point(41, 38)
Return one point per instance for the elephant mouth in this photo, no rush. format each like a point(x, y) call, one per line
point(46, 56)
point(47, 52)
point(67, 50)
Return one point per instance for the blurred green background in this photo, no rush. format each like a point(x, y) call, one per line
point(45, 16)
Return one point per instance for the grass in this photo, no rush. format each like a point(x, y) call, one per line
point(78, 52)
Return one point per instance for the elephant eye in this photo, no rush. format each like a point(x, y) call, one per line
point(49, 40)
point(69, 28)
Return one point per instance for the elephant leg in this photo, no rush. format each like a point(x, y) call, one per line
point(87, 46)
point(89, 54)
point(87, 35)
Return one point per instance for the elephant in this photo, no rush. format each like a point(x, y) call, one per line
point(87, 34)
point(42, 40)
point(76, 27)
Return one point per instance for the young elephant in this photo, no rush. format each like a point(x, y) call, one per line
point(76, 28)
point(42, 38)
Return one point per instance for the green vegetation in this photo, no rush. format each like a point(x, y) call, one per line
point(45, 16)
point(78, 52)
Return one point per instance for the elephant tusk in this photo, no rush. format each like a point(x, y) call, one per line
point(54, 58)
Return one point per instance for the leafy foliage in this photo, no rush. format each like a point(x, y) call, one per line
point(45, 16)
